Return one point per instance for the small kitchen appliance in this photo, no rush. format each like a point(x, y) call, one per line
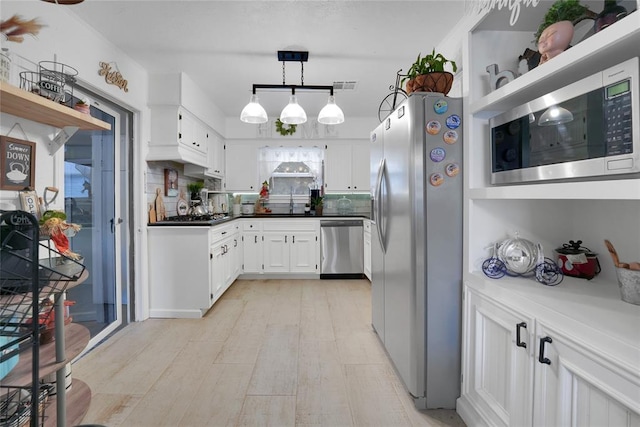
point(577, 261)
point(590, 128)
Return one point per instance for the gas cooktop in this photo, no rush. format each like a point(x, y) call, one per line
point(206, 219)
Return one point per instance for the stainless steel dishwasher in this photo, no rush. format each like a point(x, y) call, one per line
point(342, 247)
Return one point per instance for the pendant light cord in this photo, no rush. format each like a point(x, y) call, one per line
point(301, 74)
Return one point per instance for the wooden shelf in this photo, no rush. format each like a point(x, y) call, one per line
point(27, 105)
point(78, 400)
point(76, 339)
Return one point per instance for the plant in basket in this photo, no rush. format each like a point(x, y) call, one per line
point(427, 74)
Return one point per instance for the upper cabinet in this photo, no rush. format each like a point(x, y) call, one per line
point(241, 165)
point(346, 166)
point(31, 106)
point(185, 125)
point(178, 135)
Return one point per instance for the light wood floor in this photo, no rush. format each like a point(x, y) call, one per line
point(269, 353)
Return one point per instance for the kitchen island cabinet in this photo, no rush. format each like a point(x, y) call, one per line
point(580, 327)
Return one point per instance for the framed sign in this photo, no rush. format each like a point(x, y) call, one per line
point(17, 164)
point(170, 182)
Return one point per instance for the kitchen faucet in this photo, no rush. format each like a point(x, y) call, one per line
point(291, 202)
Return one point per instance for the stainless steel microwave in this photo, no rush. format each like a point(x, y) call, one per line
point(588, 129)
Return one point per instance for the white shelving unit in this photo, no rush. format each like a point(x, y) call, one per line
point(594, 359)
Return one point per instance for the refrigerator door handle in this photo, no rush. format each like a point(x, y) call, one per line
point(378, 203)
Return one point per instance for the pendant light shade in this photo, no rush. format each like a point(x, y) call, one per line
point(555, 115)
point(293, 113)
point(331, 114)
point(254, 112)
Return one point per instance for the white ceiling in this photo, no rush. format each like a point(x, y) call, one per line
point(226, 46)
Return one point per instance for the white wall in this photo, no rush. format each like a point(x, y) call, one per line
point(68, 40)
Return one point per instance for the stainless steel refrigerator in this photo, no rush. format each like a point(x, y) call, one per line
point(416, 244)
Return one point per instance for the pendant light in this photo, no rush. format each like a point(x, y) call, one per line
point(331, 114)
point(253, 112)
point(293, 113)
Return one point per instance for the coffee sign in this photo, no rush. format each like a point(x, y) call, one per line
point(17, 168)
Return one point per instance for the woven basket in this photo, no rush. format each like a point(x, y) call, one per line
point(433, 82)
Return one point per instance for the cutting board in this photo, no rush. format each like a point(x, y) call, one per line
point(161, 212)
point(152, 213)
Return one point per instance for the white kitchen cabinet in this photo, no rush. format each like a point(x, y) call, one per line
point(366, 235)
point(177, 135)
point(499, 366)
point(216, 157)
point(291, 246)
point(180, 281)
point(241, 167)
point(224, 253)
point(575, 386)
point(252, 247)
point(579, 366)
point(550, 213)
point(346, 166)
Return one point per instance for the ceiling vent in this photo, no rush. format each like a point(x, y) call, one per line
point(345, 85)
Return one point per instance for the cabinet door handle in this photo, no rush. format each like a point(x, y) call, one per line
point(518, 342)
point(541, 357)
point(256, 239)
point(293, 239)
point(235, 243)
point(285, 239)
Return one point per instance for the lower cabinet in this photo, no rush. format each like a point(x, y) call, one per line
point(273, 246)
point(522, 369)
point(224, 256)
point(180, 282)
point(291, 246)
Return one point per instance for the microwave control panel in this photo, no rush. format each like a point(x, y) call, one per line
point(618, 118)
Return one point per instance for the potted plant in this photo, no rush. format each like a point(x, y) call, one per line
point(82, 106)
point(427, 74)
point(556, 30)
point(316, 203)
point(194, 188)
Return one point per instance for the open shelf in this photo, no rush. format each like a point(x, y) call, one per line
point(27, 105)
point(76, 339)
point(607, 48)
point(78, 400)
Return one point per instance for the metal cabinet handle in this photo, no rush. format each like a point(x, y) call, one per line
point(256, 239)
point(541, 357)
point(518, 342)
point(293, 239)
point(285, 239)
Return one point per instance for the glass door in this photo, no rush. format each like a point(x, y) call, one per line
point(94, 198)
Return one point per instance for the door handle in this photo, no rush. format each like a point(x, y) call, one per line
point(293, 239)
point(541, 357)
point(285, 239)
point(115, 222)
point(518, 342)
point(379, 204)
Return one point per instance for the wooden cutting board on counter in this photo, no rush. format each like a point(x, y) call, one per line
point(161, 212)
point(152, 213)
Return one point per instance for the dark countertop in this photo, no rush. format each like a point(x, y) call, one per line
point(269, 215)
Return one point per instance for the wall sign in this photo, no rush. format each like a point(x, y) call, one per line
point(482, 6)
point(113, 77)
point(18, 164)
